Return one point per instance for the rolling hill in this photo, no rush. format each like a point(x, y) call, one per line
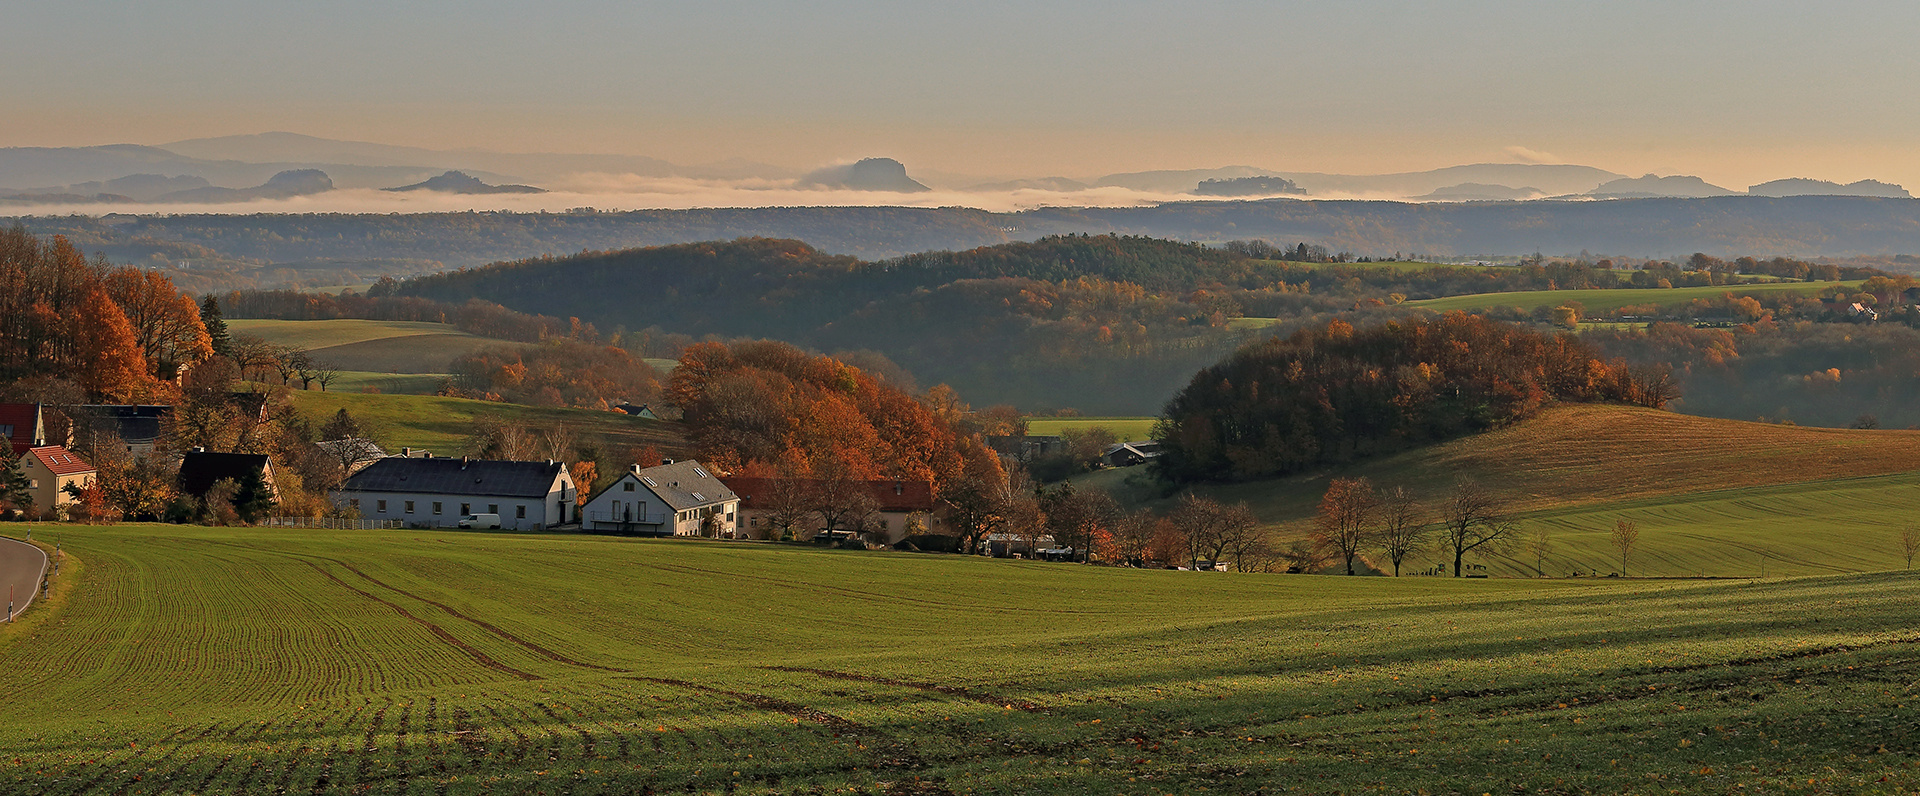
point(1609, 300)
point(442, 424)
point(1713, 497)
point(372, 347)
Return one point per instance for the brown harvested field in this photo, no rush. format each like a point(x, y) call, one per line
point(1581, 454)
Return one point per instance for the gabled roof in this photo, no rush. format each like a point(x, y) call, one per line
point(890, 494)
point(60, 460)
point(27, 429)
point(200, 470)
point(476, 477)
point(682, 485)
point(133, 424)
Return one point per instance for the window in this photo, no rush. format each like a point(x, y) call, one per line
point(436, 507)
point(409, 507)
point(383, 506)
point(626, 486)
point(520, 512)
point(465, 509)
point(355, 503)
point(6, 431)
point(493, 508)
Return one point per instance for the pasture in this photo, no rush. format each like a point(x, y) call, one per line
point(442, 425)
point(1126, 428)
point(218, 661)
point(1608, 300)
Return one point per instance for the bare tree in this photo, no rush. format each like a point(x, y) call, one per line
point(1133, 537)
point(1474, 520)
point(843, 503)
point(1076, 517)
point(1540, 544)
point(1345, 522)
point(1212, 528)
point(289, 361)
point(326, 373)
point(1404, 526)
point(496, 437)
point(787, 505)
point(973, 509)
point(556, 441)
point(1626, 533)
point(254, 355)
point(1910, 542)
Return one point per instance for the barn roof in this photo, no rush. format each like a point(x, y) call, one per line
point(60, 460)
point(200, 470)
point(475, 477)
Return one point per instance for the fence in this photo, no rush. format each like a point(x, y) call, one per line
point(331, 523)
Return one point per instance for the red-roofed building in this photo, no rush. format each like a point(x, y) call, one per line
point(23, 426)
point(899, 502)
point(51, 468)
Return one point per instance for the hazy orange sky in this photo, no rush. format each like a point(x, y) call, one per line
point(1735, 92)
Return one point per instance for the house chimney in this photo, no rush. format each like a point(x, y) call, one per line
point(549, 462)
point(426, 454)
point(636, 469)
point(666, 461)
point(198, 449)
point(406, 453)
point(463, 462)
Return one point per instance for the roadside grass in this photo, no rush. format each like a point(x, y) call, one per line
point(1126, 428)
point(216, 660)
point(1712, 497)
point(1611, 299)
point(442, 424)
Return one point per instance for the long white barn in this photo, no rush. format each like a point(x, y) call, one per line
point(434, 493)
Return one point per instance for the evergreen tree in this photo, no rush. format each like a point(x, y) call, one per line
point(253, 500)
point(16, 490)
point(216, 324)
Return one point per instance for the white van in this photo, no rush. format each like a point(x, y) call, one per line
point(481, 521)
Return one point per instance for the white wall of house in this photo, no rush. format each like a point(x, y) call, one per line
point(628, 504)
point(418, 508)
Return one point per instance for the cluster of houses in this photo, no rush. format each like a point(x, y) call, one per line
point(417, 489)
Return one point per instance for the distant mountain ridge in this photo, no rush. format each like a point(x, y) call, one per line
point(461, 183)
point(1800, 186)
point(870, 174)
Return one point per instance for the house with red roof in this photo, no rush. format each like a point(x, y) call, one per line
point(49, 469)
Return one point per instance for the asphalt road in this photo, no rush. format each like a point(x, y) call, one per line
point(20, 568)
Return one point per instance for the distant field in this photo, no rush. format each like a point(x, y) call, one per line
point(372, 346)
point(1126, 428)
point(442, 425)
point(1405, 265)
point(664, 366)
point(1613, 299)
point(389, 383)
point(1716, 496)
point(213, 660)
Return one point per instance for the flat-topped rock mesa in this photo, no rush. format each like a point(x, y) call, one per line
point(871, 174)
point(462, 183)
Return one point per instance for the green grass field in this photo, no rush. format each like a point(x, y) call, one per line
point(224, 661)
point(1126, 428)
point(1613, 299)
point(394, 347)
point(442, 424)
point(1712, 497)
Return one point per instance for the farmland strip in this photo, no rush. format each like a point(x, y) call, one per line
point(950, 690)
point(487, 626)
point(765, 703)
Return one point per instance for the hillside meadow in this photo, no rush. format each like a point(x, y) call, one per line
point(1125, 428)
point(392, 347)
point(241, 660)
point(1712, 497)
point(443, 425)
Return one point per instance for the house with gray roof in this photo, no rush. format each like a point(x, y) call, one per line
point(673, 499)
point(436, 492)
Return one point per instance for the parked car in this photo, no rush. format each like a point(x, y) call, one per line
point(481, 521)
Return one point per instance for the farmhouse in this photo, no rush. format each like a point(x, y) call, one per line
point(896, 505)
point(434, 493)
point(49, 470)
point(673, 499)
point(137, 428)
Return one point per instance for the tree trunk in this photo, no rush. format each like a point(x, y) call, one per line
point(1457, 555)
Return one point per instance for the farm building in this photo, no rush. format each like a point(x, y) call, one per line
point(136, 428)
point(1128, 454)
point(896, 506)
point(49, 469)
point(673, 499)
point(435, 493)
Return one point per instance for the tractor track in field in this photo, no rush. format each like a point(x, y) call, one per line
point(949, 690)
point(479, 657)
point(767, 703)
point(489, 627)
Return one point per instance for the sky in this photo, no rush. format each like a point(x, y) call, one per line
point(1735, 92)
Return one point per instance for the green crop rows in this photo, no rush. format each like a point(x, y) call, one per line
point(225, 661)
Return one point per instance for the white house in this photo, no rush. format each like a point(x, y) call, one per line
point(435, 493)
point(674, 499)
